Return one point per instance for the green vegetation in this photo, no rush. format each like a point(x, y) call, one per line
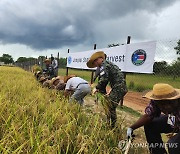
point(6, 58)
point(62, 62)
point(82, 73)
point(162, 68)
point(38, 120)
point(36, 68)
point(146, 81)
point(129, 110)
point(135, 82)
point(177, 48)
point(24, 59)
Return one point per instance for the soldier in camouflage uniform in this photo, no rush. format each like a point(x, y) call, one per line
point(109, 73)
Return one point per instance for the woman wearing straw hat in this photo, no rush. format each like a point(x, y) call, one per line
point(111, 73)
point(166, 99)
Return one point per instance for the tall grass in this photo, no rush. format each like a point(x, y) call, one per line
point(38, 120)
point(136, 82)
point(85, 74)
point(146, 81)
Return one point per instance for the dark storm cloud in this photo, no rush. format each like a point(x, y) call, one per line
point(118, 8)
point(45, 24)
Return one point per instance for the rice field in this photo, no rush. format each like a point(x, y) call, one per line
point(39, 120)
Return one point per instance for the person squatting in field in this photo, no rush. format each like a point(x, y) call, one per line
point(38, 75)
point(109, 73)
point(42, 79)
point(78, 87)
point(163, 99)
point(57, 83)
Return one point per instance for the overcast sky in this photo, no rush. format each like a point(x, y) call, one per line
point(43, 27)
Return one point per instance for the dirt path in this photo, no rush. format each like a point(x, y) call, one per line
point(135, 101)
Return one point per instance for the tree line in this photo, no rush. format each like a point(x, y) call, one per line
point(8, 59)
point(163, 68)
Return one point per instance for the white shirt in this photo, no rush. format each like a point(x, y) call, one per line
point(55, 64)
point(73, 82)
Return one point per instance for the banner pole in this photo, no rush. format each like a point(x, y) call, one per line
point(67, 69)
point(58, 59)
point(124, 73)
point(92, 74)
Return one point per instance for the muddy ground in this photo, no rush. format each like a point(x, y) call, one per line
point(135, 101)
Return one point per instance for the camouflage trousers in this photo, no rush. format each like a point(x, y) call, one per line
point(110, 111)
point(117, 93)
point(111, 103)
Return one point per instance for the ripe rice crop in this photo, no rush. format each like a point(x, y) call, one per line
point(39, 120)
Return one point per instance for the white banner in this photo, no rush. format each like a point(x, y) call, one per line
point(138, 57)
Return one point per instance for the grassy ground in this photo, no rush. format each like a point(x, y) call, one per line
point(136, 82)
point(39, 120)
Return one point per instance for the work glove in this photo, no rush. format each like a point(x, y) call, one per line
point(129, 133)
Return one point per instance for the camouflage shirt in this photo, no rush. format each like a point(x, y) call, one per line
point(102, 89)
point(110, 73)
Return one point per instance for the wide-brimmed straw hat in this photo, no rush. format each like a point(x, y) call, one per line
point(47, 60)
point(162, 91)
point(94, 57)
point(66, 78)
point(42, 79)
point(47, 83)
point(38, 72)
point(54, 79)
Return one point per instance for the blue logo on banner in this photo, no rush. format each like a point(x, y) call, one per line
point(138, 57)
point(69, 60)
